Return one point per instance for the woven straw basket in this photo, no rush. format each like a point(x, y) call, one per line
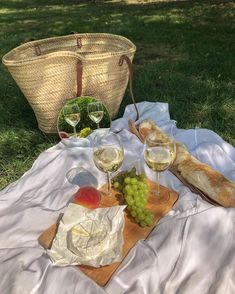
point(51, 71)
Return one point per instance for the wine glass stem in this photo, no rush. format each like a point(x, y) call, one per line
point(158, 183)
point(98, 125)
point(109, 183)
point(75, 132)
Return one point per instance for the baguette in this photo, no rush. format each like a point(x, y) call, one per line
point(202, 177)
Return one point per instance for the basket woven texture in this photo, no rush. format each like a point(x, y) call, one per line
point(52, 71)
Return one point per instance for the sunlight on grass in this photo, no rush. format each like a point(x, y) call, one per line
point(6, 10)
point(18, 147)
point(153, 18)
point(185, 57)
point(12, 171)
point(16, 11)
point(228, 109)
point(174, 17)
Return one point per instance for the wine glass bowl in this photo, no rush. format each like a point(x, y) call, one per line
point(95, 112)
point(108, 153)
point(71, 114)
point(159, 153)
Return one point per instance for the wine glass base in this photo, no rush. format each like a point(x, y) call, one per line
point(106, 193)
point(162, 196)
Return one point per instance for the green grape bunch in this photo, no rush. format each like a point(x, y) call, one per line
point(135, 192)
point(85, 132)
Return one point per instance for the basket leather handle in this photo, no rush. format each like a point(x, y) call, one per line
point(129, 64)
point(79, 77)
point(79, 40)
point(36, 46)
point(121, 60)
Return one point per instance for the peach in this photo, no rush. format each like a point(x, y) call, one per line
point(87, 196)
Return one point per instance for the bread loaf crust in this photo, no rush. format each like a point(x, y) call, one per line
point(200, 175)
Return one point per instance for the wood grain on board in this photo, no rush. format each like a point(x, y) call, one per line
point(158, 205)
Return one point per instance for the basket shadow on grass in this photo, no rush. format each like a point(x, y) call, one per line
point(184, 57)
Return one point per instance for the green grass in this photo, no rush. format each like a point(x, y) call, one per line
point(185, 56)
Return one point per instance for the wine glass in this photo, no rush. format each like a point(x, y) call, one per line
point(95, 112)
point(71, 114)
point(159, 153)
point(108, 153)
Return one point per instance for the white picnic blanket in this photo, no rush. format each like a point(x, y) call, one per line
point(192, 250)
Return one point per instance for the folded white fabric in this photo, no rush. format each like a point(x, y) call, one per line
point(147, 110)
point(190, 251)
point(193, 251)
point(74, 142)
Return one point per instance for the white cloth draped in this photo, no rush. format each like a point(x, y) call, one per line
point(191, 250)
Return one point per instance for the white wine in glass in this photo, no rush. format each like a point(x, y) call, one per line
point(95, 112)
point(108, 154)
point(158, 155)
point(71, 114)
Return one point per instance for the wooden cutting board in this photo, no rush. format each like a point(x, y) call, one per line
point(158, 205)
